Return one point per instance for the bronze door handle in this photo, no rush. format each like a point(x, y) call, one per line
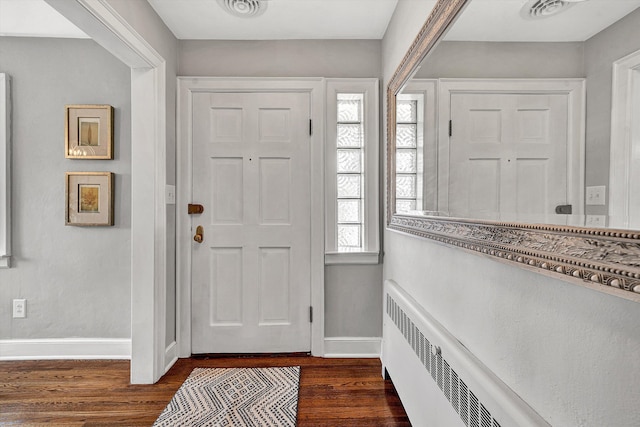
point(199, 236)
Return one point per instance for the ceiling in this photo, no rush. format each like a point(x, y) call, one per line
point(482, 20)
point(34, 18)
point(205, 19)
point(283, 19)
point(500, 20)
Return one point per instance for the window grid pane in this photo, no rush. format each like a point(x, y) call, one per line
point(406, 155)
point(407, 111)
point(350, 176)
point(350, 135)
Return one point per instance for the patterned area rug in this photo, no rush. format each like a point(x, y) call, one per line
point(235, 397)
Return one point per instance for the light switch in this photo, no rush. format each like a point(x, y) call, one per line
point(170, 195)
point(596, 195)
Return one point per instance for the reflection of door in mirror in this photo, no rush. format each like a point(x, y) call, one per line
point(499, 149)
point(512, 149)
point(508, 156)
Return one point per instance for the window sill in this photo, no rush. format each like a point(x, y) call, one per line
point(333, 258)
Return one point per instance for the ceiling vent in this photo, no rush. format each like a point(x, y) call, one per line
point(537, 9)
point(244, 8)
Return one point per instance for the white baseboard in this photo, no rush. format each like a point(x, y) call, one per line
point(352, 347)
point(65, 348)
point(170, 356)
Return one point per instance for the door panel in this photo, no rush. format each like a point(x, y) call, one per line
point(251, 275)
point(226, 190)
point(275, 191)
point(225, 286)
point(484, 185)
point(275, 285)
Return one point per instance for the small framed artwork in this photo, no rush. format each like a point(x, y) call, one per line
point(88, 132)
point(89, 197)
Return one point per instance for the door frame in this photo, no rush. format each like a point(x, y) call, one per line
point(187, 86)
point(150, 236)
point(624, 140)
point(574, 88)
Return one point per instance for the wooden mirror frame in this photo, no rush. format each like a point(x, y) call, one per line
point(605, 260)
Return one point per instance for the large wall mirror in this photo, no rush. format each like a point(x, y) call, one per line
point(513, 131)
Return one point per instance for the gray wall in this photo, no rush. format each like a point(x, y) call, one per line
point(353, 294)
point(280, 58)
point(353, 297)
point(76, 279)
point(601, 51)
point(568, 351)
point(504, 60)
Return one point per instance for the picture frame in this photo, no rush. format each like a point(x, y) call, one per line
point(88, 132)
point(89, 198)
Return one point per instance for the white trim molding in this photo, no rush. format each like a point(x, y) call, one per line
point(624, 201)
point(187, 86)
point(99, 20)
point(65, 348)
point(352, 347)
point(341, 258)
point(170, 356)
point(5, 170)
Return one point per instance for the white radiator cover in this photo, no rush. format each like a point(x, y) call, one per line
point(438, 380)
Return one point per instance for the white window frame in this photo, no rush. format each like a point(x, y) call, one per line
point(5, 171)
point(370, 253)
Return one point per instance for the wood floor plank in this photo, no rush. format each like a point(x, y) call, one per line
point(333, 392)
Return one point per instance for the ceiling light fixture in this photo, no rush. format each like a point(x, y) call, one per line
point(244, 8)
point(537, 9)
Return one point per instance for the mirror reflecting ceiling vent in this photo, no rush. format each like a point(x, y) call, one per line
point(244, 8)
point(537, 9)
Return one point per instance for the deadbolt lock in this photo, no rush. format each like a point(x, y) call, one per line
point(194, 209)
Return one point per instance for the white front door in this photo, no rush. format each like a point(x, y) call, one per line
point(508, 156)
point(251, 274)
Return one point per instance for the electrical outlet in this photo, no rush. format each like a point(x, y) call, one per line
point(19, 308)
point(595, 195)
point(595, 220)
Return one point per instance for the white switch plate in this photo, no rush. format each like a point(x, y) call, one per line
point(19, 308)
point(170, 194)
point(595, 195)
point(596, 221)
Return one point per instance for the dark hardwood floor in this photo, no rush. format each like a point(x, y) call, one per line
point(333, 392)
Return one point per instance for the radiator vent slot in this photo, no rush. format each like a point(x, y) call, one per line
point(466, 404)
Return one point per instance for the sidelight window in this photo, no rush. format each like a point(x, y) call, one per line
point(352, 166)
point(350, 173)
point(408, 154)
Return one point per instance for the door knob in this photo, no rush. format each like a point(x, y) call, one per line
point(199, 237)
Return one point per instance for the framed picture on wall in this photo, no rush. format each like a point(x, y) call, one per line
point(89, 197)
point(88, 132)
